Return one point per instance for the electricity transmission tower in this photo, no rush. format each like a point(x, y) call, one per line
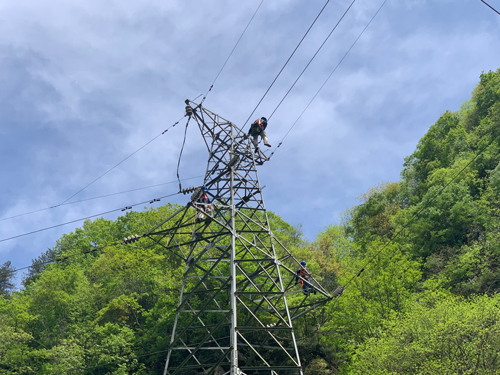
point(233, 315)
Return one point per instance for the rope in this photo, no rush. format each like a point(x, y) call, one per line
point(180, 155)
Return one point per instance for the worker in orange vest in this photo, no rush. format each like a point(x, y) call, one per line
point(203, 202)
point(302, 275)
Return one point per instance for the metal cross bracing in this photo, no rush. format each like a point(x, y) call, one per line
point(233, 315)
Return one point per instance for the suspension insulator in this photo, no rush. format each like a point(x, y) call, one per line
point(338, 292)
point(131, 239)
point(187, 190)
point(196, 195)
point(189, 110)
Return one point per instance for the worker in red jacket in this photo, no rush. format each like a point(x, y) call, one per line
point(203, 202)
point(303, 274)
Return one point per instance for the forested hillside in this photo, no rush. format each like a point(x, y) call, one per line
point(426, 302)
point(419, 259)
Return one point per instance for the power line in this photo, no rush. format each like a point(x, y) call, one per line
point(63, 258)
point(312, 58)
point(101, 196)
point(116, 165)
point(131, 190)
point(94, 249)
point(150, 201)
point(286, 63)
point(57, 260)
point(496, 11)
point(230, 54)
point(324, 83)
point(24, 268)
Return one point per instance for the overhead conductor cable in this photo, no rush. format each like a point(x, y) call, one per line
point(286, 63)
point(312, 58)
point(116, 165)
point(89, 217)
point(328, 78)
point(496, 11)
point(98, 197)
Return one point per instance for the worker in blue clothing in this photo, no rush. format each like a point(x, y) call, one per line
point(204, 204)
point(303, 274)
point(257, 128)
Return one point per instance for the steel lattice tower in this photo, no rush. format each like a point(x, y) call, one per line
point(233, 315)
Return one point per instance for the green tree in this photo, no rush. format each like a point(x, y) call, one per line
point(7, 273)
point(38, 265)
point(450, 336)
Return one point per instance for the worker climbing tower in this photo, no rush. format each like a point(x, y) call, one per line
point(238, 301)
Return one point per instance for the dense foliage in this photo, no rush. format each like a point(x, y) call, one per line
point(419, 258)
point(426, 302)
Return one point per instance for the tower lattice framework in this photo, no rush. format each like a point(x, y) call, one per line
point(233, 315)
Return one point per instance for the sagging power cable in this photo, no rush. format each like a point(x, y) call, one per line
point(116, 165)
point(230, 54)
point(286, 63)
point(126, 241)
point(312, 58)
point(150, 201)
point(63, 258)
point(496, 11)
point(325, 82)
point(98, 197)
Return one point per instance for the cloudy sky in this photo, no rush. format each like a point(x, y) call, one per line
point(85, 84)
